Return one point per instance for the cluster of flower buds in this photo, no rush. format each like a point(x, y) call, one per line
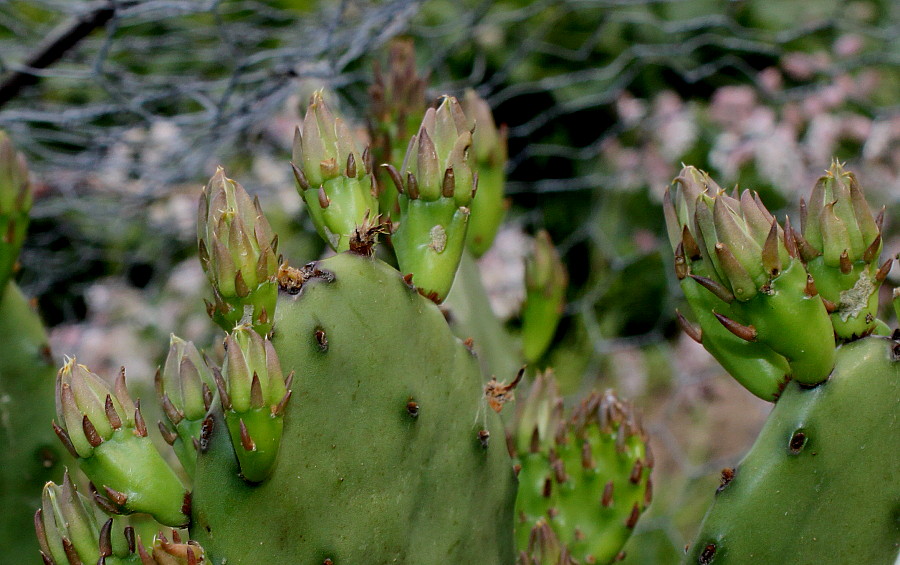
point(489, 149)
point(238, 251)
point(841, 246)
point(184, 388)
point(585, 476)
point(333, 177)
point(15, 203)
point(742, 272)
point(254, 394)
point(396, 109)
point(104, 429)
point(436, 186)
point(71, 530)
point(546, 281)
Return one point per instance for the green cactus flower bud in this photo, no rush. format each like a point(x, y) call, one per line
point(105, 430)
point(434, 197)
point(544, 548)
point(545, 285)
point(333, 177)
point(843, 242)
point(489, 150)
point(15, 203)
point(184, 389)
point(66, 525)
point(588, 479)
point(749, 262)
point(238, 251)
point(755, 365)
point(538, 416)
point(254, 393)
point(397, 106)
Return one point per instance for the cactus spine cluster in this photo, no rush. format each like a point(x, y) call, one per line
point(792, 316)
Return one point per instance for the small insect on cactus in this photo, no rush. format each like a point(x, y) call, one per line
point(792, 317)
point(348, 423)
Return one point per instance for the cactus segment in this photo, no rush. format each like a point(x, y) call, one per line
point(546, 281)
point(819, 484)
point(253, 393)
point(472, 320)
point(434, 199)
point(29, 454)
point(238, 251)
point(588, 478)
point(15, 203)
point(489, 151)
point(838, 225)
point(391, 459)
point(397, 107)
point(333, 177)
point(104, 429)
point(184, 390)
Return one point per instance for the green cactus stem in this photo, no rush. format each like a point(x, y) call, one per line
point(472, 320)
point(819, 484)
point(238, 251)
point(397, 106)
point(184, 390)
point(489, 152)
point(254, 394)
point(104, 429)
point(587, 475)
point(15, 203)
point(393, 454)
point(436, 187)
point(841, 243)
point(333, 176)
point(546, 281)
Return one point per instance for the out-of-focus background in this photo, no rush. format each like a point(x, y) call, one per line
point(124, 108)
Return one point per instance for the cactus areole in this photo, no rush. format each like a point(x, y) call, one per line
point(361, 477)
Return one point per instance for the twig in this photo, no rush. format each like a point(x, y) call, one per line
point(62, 39)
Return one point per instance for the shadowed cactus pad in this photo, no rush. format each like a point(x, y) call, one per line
point(390, 454)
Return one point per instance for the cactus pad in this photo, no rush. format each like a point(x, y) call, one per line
point(390, 454)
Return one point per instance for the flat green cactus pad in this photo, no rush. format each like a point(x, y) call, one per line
point(384, 457)
point(30, 455)
point(820, 484)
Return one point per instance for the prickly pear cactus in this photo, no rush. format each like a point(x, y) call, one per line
point(347, 424)
point(818, 485)
point(377, 449)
